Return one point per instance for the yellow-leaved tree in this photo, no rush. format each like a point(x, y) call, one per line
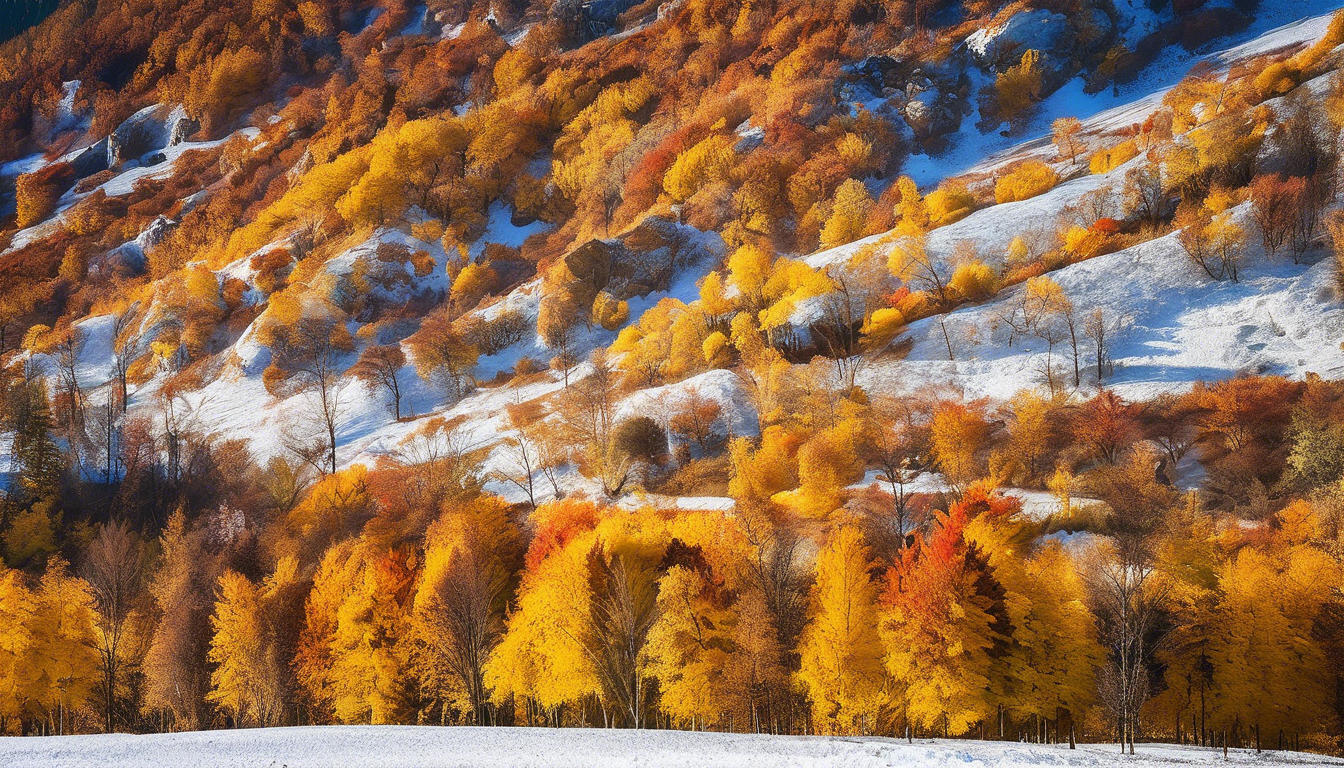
point(940, 629)
point(841, 652)
point(370, 673)
point(255, 631)
point(849, 214)
point(16, 640)
point(65, 658)
point(471, 554)
point(690, 646)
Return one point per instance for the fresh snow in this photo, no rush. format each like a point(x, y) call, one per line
point(1177, 327)
point(1276, 26)
point(439, 747)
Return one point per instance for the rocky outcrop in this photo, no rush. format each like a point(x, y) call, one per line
point(643, 260)
point(998, 47)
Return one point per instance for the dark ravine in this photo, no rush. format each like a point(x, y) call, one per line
point(17, 16)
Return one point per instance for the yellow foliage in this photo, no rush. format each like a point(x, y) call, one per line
point(949, 203)
point(761, 472)
point(706, 162)
point(666, 343)
point(973, 281)
point(716, 348)
point(883, 326)
point(1026, 180)
point(841, 654)
point(855, 151)
point(911, 209)
point(608, 312)
point(1083, 242)
point(471, 284)
point(689, 647)
point(1106, 160)
point(826, 464)
point(849, 215)
point(61, 667)
point(1019, 86)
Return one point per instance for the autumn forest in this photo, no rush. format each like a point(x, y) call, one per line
point(615, 365)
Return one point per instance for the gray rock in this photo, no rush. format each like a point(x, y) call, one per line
point(180, 127)
point(1001, 46)
point(142, 133)
point(92, 159)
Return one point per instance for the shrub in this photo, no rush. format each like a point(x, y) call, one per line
point(608, 312)
point(1083, 242)
point(1106, 160)
point(973, 281)
point(38, 192)
point(271, 268)
point(883, 326)
point(1019, 87)
point(1025, 181)
point(495, 335)
point(1277, 79)
point(526, 366)
point(640, 438)
point(949, 203)
point(423, 263)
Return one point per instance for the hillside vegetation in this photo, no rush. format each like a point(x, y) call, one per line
point(890, 367)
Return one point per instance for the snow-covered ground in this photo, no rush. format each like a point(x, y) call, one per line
point(1173, 326)
point(433, 747)
point(1276, 26)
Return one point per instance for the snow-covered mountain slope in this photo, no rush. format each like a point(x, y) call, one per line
point(1173, 326)
point(432, 747)
point(1276, 26)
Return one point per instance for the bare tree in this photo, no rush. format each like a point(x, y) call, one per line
point(66, 351)
point(442, 463)
point(894, 446)
point(1101, 328)
point(103, 428)
point(1272, 202)
point(1130, 599)
point(379, 367)
point(525, 461)
point(624, 609)
point(1143, 195)
point(313, 349)
point(113, 568)
point(465, 611)
point(773, 566)
point(587, 413)
point(859, 289)
point(125, 347)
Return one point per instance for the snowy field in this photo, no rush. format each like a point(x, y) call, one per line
point(427, 747)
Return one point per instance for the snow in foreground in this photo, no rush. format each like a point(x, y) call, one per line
point(425, 747)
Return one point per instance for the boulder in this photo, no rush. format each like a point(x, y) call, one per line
point(645, 259)
point(91, 159)
point(998, 47)
point(180, 126)
point(137, 135)
point(930, 110)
